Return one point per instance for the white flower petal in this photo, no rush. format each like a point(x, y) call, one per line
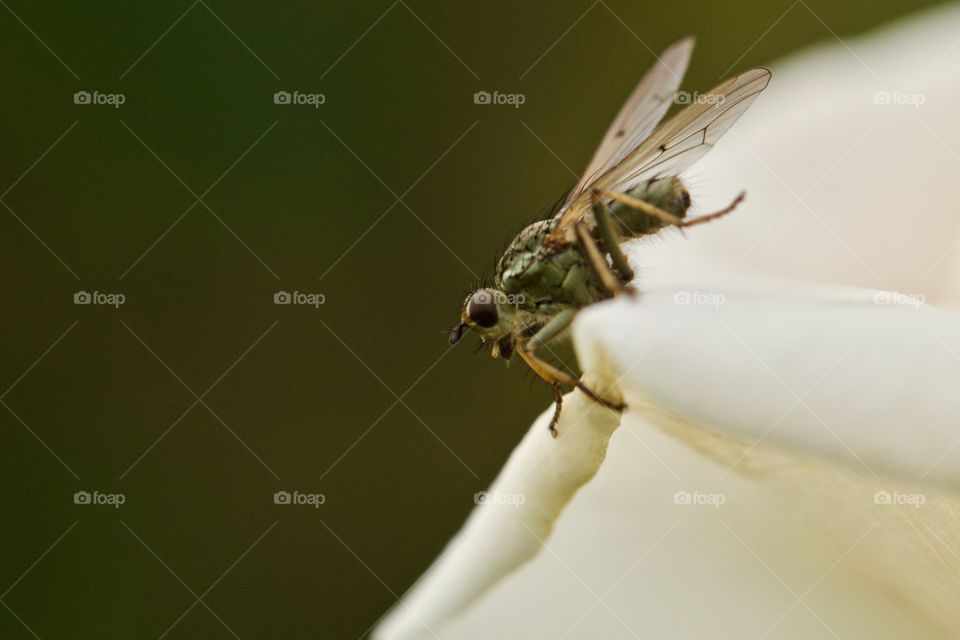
point(788, 527)
point(873, 385)
point(515, 516)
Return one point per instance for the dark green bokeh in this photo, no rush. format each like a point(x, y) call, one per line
point(316, 196)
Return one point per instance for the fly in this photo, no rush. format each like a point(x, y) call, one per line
point(631, 188)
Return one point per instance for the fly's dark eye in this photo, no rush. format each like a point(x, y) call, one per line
point(685, 196)
point(482, 309)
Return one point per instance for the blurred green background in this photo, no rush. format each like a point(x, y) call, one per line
point(199, 398)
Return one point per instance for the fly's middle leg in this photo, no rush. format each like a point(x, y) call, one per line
point(597, 260)
point(611, 242)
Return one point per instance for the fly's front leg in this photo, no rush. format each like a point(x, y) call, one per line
point(557, 406)
point(547, 372)
point(551, 374)
point(611, 241)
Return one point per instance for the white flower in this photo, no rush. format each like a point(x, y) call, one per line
point(789, 462)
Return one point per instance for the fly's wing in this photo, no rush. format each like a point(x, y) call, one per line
point(686, 138)
point(641, 112)
point(674, 146)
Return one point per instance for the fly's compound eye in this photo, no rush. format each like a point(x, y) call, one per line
point(482, 309)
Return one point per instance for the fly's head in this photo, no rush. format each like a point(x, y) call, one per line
point(489, 313)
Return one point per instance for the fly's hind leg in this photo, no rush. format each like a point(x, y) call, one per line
point(717, 214)
point(667, 217)
point(551, 374)
point(642, 206)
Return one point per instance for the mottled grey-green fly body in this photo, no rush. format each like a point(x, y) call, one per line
point(631, 188)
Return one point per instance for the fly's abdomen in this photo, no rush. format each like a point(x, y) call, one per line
point(668, 194)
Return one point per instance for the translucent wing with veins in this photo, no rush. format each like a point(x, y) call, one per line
point(671, 148)
point(685, 138)
point(642, 112)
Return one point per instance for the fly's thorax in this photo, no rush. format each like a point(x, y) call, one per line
point(538, 275)
point(523, 250)
point(668, 194)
